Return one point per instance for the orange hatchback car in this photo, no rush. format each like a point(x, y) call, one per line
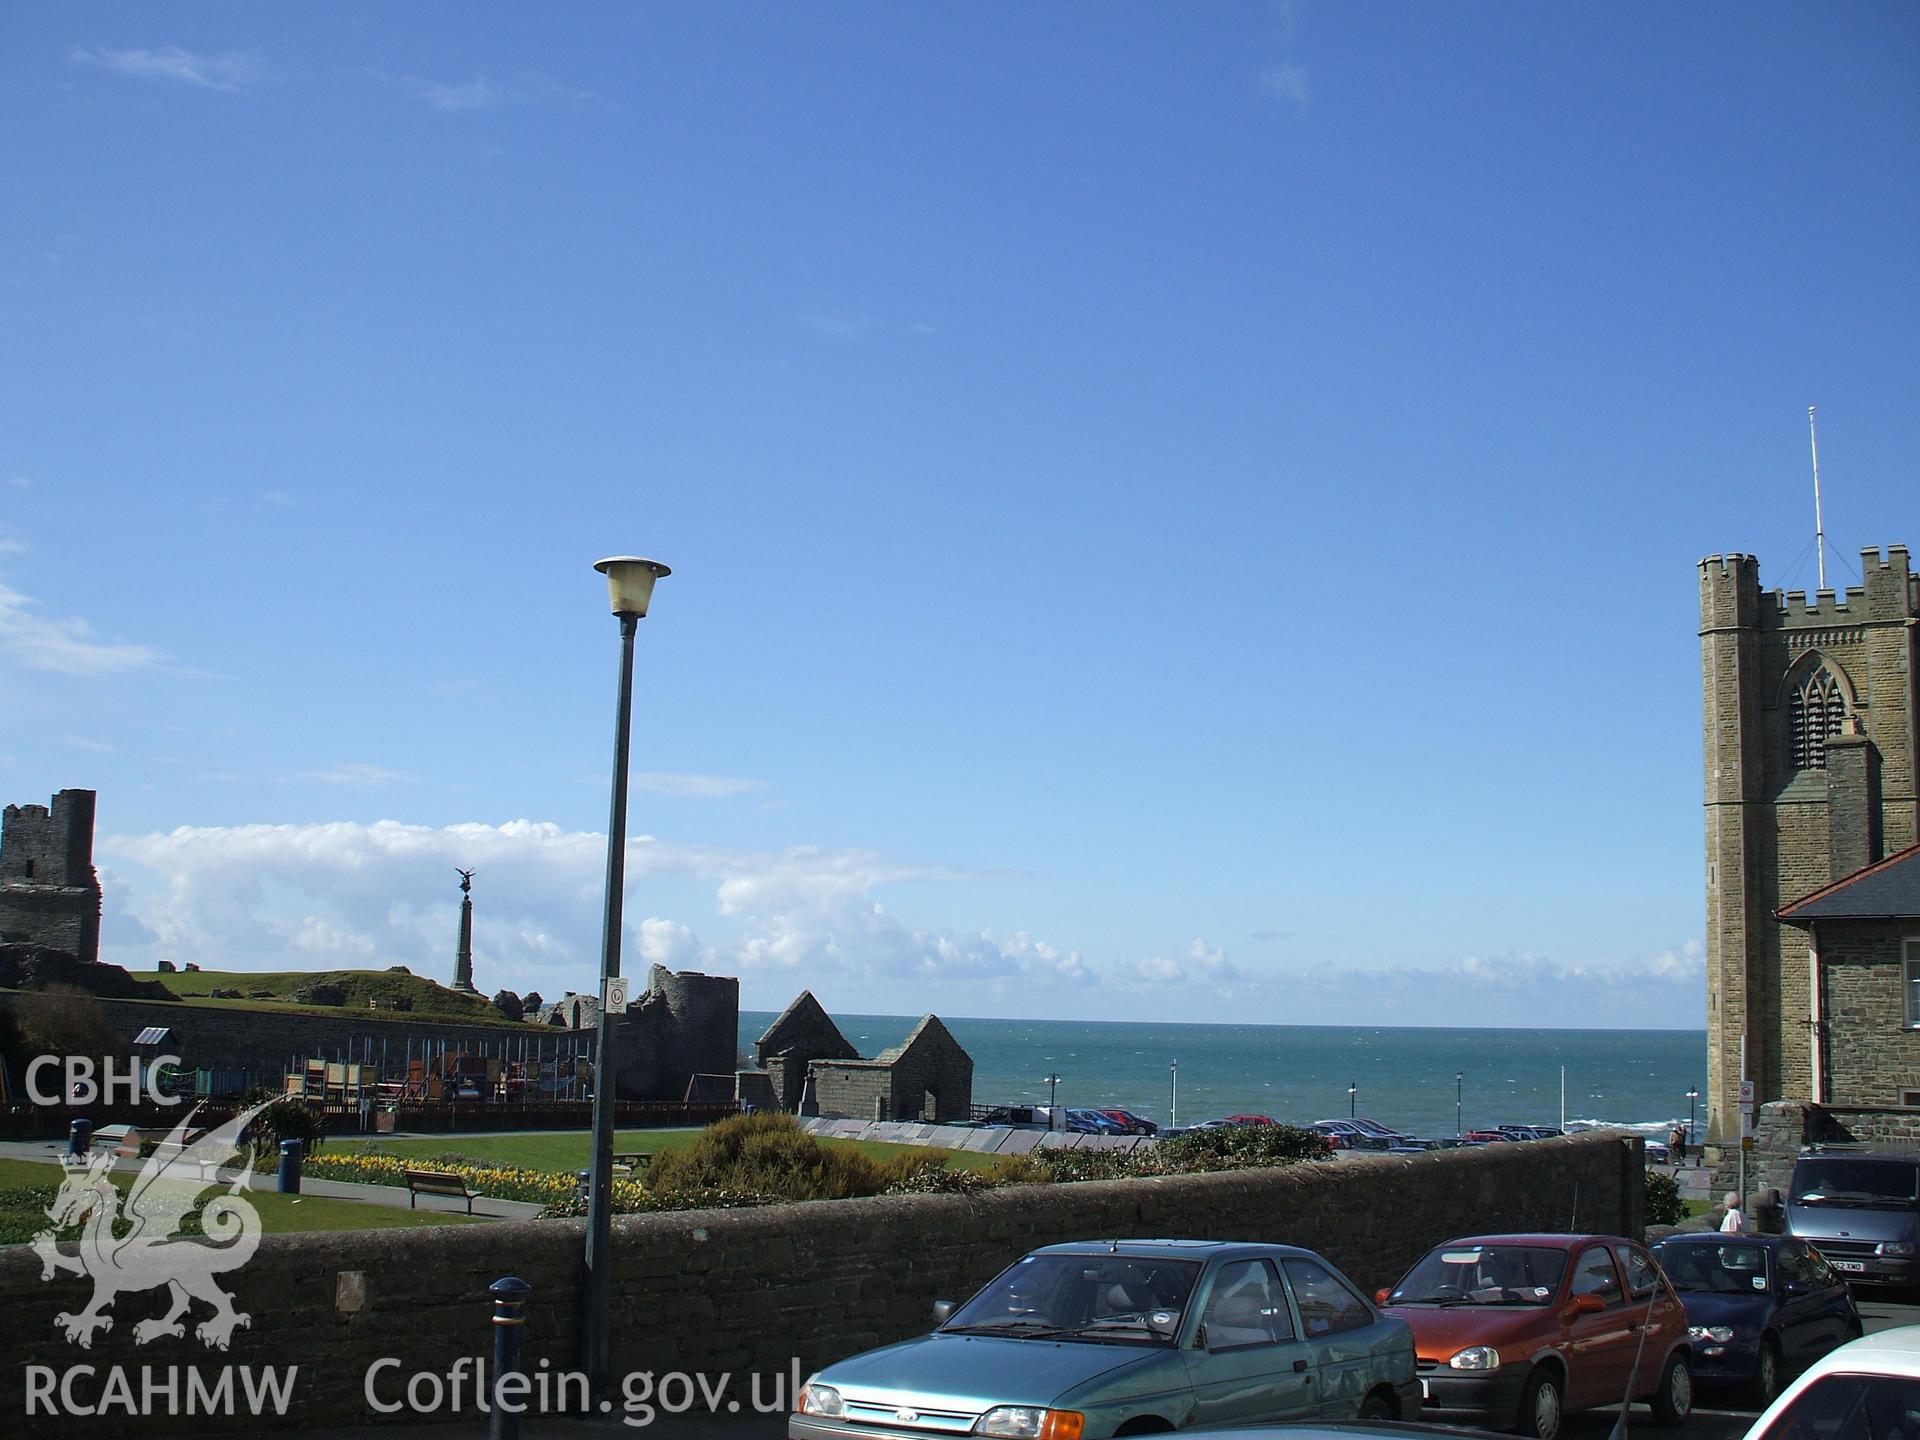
point(1517, 1330)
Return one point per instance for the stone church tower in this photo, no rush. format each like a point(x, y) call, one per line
point(1810, 766)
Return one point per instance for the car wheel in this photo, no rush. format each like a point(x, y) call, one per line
point(1542, 1406)
point(1766, 1373)
point(1673, 1401)
point(1377, 1407)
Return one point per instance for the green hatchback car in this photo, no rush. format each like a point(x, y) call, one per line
point(1128, 1337)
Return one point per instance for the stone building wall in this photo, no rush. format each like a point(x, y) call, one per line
point(1871, 1058)
point(1769, 826)
point(799, 1035)
point(766, 1292)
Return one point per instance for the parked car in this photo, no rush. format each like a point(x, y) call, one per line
point(1084, 1339)
point(1251, 1120)
point(1860, 1209)
point(1517, 1132)
point(1094, 1122)
point(1484, 1137)
point(1759, 1307)
point(1375, 1128)
point(1867, 1389)
point(1133, 1124)
point(1517, 1330)
point(1350, 1132)
point(1658, 1152)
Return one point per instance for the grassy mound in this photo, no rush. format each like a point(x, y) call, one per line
point(402, 996)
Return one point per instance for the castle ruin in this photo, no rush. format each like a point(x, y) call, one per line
point(49, 890)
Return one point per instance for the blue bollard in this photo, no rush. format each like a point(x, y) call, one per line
point(79, 1138)
point(290, 1167)
point(509, 1320)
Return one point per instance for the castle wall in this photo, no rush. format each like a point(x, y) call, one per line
point(263, 1041)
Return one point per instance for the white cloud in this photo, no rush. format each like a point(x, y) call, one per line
point(829, 323)
point(64, 646)
point(83, 742)
point(355, 772)
point(227, 70)
point(11, 545)
point(700, 787)
point(244, 896)
point(1287, 80)
point(20, 482)
point(1199, 964)
point(478, 93)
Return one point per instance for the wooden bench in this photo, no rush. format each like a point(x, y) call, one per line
point(633, 1161)
point(438, 1182)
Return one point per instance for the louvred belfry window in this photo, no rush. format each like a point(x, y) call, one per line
point(1819, 710)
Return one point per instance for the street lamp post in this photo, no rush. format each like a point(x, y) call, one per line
point(1173, 1074)
point(1353, 1100)
point(1693, 1094)
point(1053, 1087)
point(630, 580)
point(1459, 1088)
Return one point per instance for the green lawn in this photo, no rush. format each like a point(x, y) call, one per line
point(567, 1151)
point(280, 1214)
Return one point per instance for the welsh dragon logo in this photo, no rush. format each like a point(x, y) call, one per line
point(135, 1245)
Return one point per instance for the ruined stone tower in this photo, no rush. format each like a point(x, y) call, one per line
point(1810, 767)
point(49, 891)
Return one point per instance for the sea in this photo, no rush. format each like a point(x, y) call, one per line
point(1404, 1077)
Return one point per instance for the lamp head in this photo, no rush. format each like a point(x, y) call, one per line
point(631, 578)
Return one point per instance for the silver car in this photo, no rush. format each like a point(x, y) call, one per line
point(1128, 1337)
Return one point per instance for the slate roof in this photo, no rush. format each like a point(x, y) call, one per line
point(1887, 891)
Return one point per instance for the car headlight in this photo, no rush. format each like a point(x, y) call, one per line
point(1894, 1247)
point(1030, 1422)
point(1718, 1334)
point(818, 1399)
point(1476, 1357)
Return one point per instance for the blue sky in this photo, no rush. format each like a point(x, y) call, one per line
point(1187, 512)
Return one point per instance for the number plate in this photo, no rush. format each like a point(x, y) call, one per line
point(1849, 1267)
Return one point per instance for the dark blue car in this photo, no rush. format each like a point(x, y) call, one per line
point(1759, 1307)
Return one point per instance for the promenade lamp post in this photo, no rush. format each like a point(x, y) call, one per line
point(1053, 1087)
point(1173, 1074)
point(630, 579)
point(1693, 1095)
point(1459, 1088)
point(1353, 1100)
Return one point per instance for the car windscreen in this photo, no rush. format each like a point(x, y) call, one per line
point(1122, 1299)
point(1716, 1269)
point(1479, 1274)
point(1851, 1407)
point(1855, 1180)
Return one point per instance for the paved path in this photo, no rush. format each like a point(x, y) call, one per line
point(391, 1196)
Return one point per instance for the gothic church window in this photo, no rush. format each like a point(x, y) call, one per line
point(1818, 711)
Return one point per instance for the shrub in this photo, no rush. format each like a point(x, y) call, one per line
point(1664, 1205)
point(1234, 1147)
point(768, 1155)
point(320, 992)
point(285, 1118)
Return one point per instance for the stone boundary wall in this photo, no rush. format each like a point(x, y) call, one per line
point(763, 1291)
